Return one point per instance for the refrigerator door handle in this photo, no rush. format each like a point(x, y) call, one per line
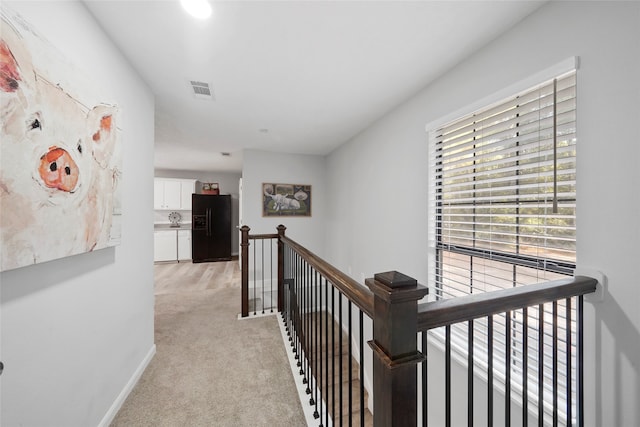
point(211, 217)
point(208, 221)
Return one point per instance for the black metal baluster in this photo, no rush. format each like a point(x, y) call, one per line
point(541, 365)
point(255, 282)
point(361, 332)
point(271, 273)
point(300, 313)
point(290, 284)
point(340, 356)
point(333, 355)
point(326, 351)
point(307, 331)
point(292, 300)
point(287, 275)
point(569, 373)
point(507, 370)
point(303, 320)
point(447, 375)
point(297, 324)
point(290, 270)
point(313, 369)
point(350, 365)
point(319, 343)
point(554, 372)
point(302, 330)
point(470, 374)
point(287, 306)
point(580, 361)
point(305, 328)
point(285, 287)
point(263, 276)
point(490, 371)
point(425, 422)
point(525, 365)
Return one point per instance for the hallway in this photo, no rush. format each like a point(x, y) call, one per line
point(210, 368)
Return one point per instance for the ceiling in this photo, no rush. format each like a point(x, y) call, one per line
point(289, 76)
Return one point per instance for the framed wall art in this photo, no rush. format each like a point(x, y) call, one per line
point(60, 153)
point(286, 199)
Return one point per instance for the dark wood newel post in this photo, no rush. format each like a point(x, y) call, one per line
point(394, 344)
point(244, 249)
point(281, 229)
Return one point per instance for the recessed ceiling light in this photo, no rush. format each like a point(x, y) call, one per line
point(200, 9)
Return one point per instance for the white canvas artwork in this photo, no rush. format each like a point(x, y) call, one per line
point(60, 153)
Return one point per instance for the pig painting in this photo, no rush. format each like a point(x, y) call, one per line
point(59, 163)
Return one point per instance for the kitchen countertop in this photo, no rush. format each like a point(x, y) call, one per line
point(183, 226)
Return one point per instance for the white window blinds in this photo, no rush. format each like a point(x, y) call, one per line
point(502, 214)
point(505, 181)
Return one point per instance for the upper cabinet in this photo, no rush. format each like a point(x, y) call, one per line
point(173, 193)
point(187, 188)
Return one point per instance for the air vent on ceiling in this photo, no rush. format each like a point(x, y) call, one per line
point(201, 90)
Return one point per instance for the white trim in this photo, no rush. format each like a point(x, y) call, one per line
point(117, 404)
point(254, 316)
point(302, 395)
point(567, 65)
point(436, 338)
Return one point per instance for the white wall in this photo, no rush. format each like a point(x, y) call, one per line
point(74, 331)
point(262, 167)
point(228, 180)
point(377, 183)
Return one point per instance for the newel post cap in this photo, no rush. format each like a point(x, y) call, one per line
point(394, 287)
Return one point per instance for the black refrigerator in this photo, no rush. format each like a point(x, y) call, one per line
point(210, 228)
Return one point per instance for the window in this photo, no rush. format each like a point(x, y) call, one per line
point(503, 210)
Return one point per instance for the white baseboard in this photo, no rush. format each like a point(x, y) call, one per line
point(253, 316)
point(304, 397)
point(117, 404)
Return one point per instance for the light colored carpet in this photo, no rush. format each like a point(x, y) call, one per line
point(211, 369)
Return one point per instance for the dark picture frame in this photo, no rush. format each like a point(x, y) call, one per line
point(286, 200)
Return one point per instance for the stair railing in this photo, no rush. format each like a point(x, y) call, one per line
point(534, 365)
point(325, 313)
point(263, 270)
point(321, 307)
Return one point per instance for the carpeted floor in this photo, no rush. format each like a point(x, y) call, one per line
point(210, 368)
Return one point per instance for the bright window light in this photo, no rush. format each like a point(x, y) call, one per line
point(200, 9)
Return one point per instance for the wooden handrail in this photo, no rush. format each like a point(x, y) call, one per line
point(263, 236)
point(357, 293)
point(460, 309)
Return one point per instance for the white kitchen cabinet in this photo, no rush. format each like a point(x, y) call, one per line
point(171, 194)
point(187, 188)
point(166, 194)
point(184, 245)
point(158, 194)
point(165, 246)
